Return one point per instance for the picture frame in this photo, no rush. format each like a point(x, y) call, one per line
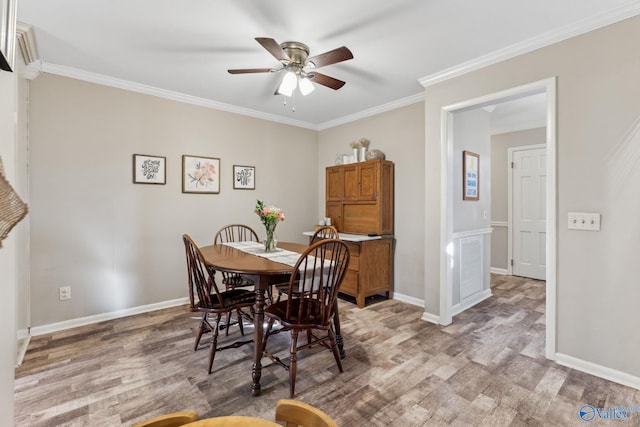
point(244, 177)
point(149, 169)
point(200, 174)
point(470, 176)
point(8, 14)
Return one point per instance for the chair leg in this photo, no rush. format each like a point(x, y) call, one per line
point(293, 362)
point(201, 329)
point(214, 342)
point(228, 323)
point(240, 322)
point(334, 348)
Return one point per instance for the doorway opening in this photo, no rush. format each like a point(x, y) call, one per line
point(449, 258)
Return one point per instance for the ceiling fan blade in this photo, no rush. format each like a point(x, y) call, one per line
point(333, 56)
point(250, 70)
point(324, 80)
point(273, 48)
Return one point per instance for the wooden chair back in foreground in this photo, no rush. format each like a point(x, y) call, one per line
point(206, 298)
point(233, 421)
point(325, 232)
point(235, 233)
point(174, 419)
point(311, 303)
point(295, 414)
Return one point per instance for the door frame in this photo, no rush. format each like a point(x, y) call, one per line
point(547, 86)
point(511, 150)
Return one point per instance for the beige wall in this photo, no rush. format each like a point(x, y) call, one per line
point(598, 145)
point(118, 244)
point(8, 252)
point(499, 189)
point(400, 135)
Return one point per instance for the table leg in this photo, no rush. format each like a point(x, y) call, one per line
point(258, 335)
point(336, 326)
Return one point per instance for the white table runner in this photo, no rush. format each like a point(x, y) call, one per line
point(282, 256)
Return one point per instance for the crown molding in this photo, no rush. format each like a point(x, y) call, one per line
point(419, 97)
point(547, 39)
point(519, 127)
point(74, 73)
point(37, 67)
point(26, 38)
point(26, 41)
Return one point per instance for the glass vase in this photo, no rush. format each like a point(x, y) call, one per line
point(270, 242)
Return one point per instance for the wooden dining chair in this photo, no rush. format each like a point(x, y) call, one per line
point(294, 413)
point(311, 303)
point(175, 419)
point(235, 233)
point(206, 298)
point(325, 232)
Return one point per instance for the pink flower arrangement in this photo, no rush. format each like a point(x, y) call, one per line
point(269, 215)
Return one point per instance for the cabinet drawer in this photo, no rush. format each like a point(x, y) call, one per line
point(354, 249)
point(354, 263)
point(350, 283)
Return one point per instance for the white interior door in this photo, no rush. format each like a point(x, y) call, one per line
point(529, 178)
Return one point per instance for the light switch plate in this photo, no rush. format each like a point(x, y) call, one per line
point(584, 221)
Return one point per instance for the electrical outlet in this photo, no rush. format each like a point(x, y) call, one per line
point(65, 293)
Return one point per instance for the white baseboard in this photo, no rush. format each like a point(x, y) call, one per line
point(502, 271)
point(598, 370)
point(409, 300)
point(431, 318)
point(82, 321)
point(480, 296)
point(25, 337)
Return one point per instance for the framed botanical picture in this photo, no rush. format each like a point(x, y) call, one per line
point(149, 169)
point(470, 176)
point(200, 174)
point(244, 177)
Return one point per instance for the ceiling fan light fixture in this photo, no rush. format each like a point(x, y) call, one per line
point(288, 84)
point(305, 85)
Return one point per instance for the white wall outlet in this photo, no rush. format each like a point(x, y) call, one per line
point(584, 221)
point(65, 293)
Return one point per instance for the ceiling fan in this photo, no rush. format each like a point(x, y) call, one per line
point(299, 67)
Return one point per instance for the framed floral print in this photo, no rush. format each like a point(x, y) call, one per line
point(200, 174)
point(244, 177)
point(149, 169)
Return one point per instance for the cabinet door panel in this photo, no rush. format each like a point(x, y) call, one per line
point(360, 218)
point(367, 182)
point(350, 183)
point(334, 184)
point(334, 211)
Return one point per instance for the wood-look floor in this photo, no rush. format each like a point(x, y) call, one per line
point(486, 369)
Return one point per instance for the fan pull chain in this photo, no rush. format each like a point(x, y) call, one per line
point(284, 102)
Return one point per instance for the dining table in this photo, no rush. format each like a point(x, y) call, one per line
point(263, 273)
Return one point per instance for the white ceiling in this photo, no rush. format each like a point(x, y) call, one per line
point(184, 48)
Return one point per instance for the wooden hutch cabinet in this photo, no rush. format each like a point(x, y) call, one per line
point(359, 201)
point(359, 197)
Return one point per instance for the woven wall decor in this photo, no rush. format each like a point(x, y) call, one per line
point(12, 208)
